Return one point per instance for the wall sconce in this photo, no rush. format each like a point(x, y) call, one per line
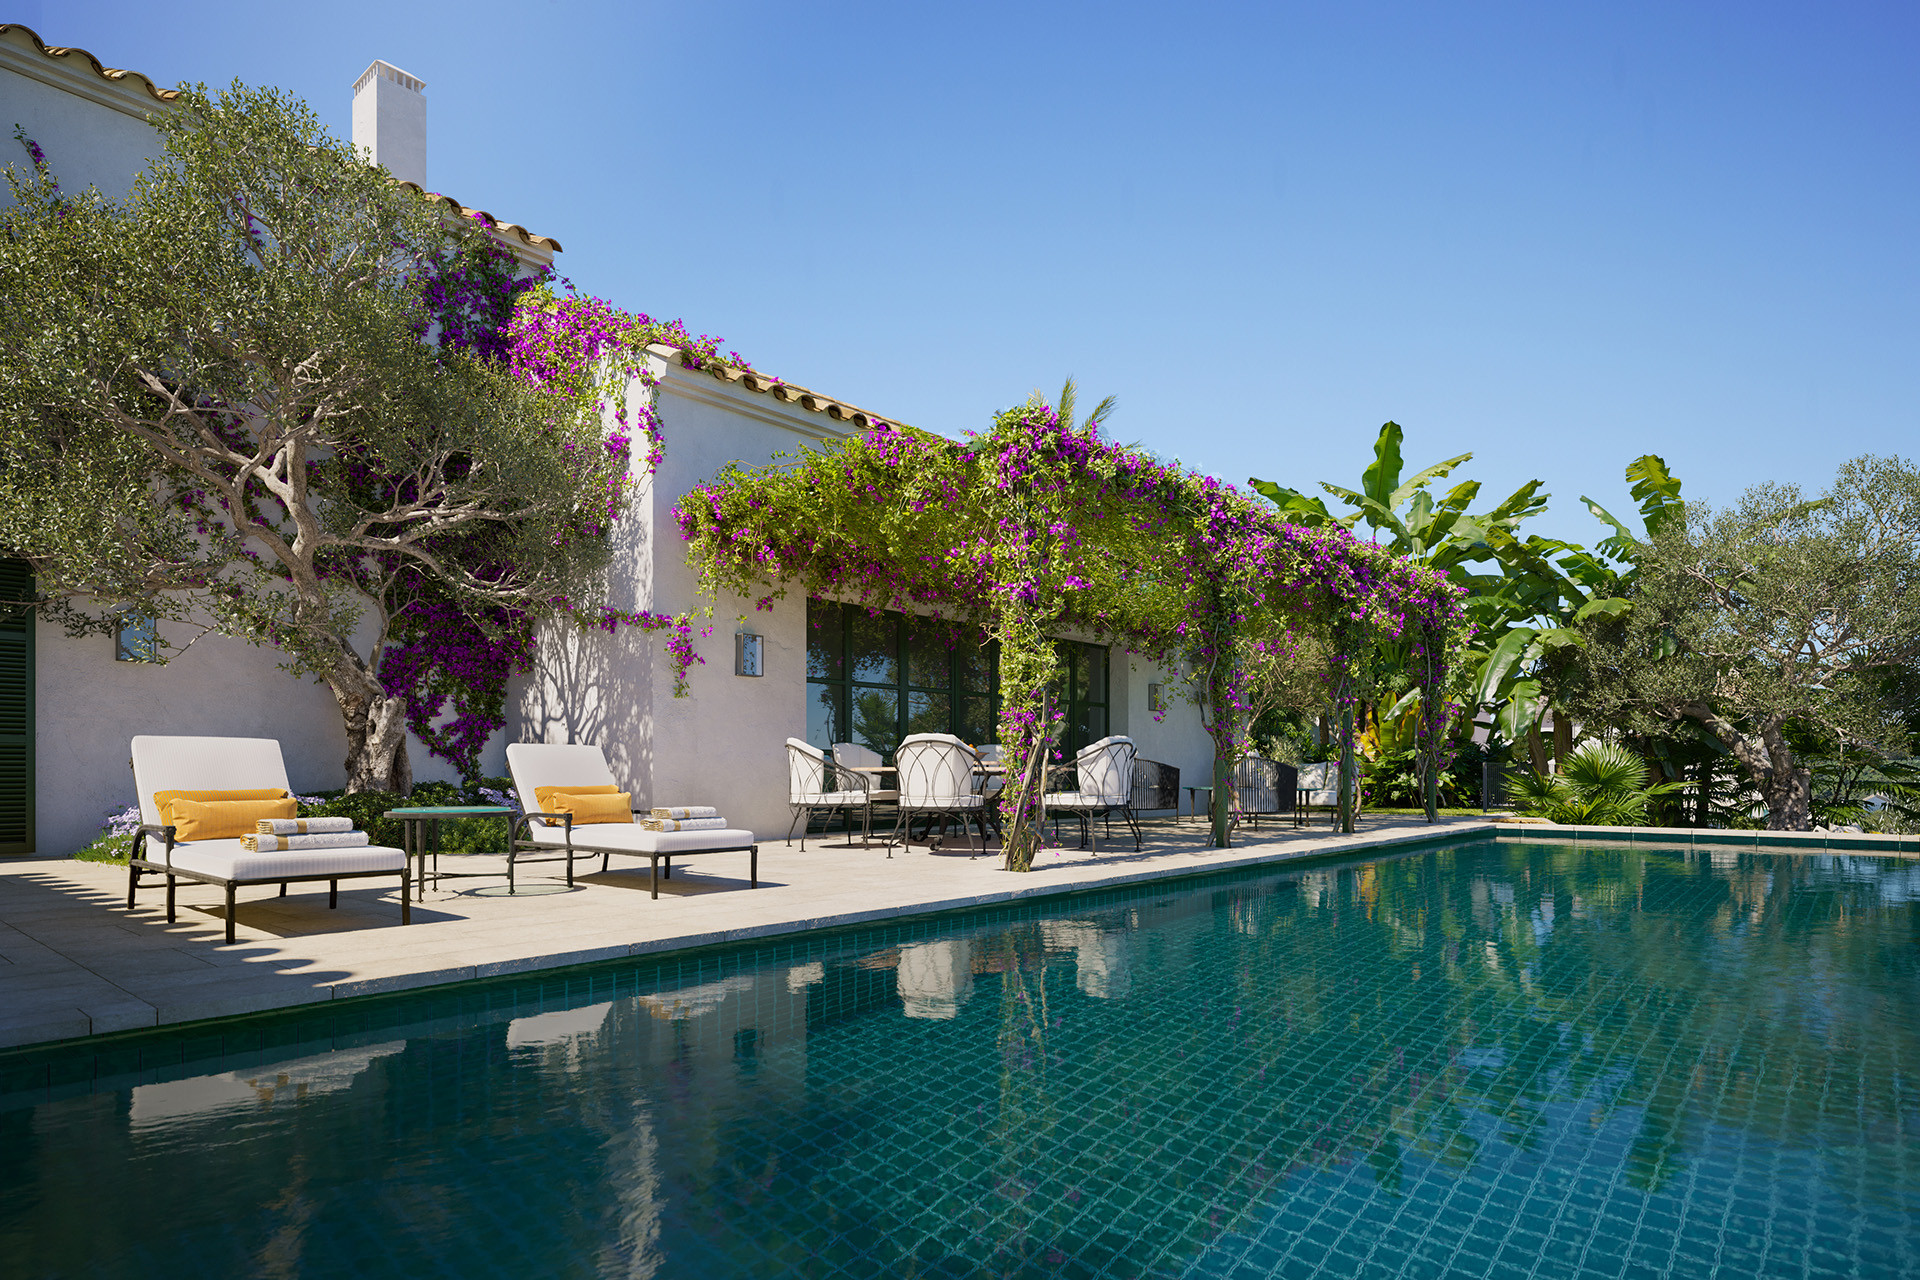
point(746, 655)
point(136, 638)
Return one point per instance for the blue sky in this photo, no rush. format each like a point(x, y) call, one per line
point(1555, 236)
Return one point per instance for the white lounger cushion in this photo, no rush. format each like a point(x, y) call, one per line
point(231, 860)
point(623, 838)
point(824, 798)
point(1080, 800)
point(553, 764)
point(203, 764)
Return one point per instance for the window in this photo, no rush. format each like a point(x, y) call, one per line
point(16, 711)
point(875, 679)
point(136, 638)
point(1084, 695)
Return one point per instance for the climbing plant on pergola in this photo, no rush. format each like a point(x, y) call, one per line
point(1040, 526)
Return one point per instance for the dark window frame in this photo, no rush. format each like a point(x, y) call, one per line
point(839, 692)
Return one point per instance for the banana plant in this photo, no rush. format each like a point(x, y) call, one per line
point(1552, 587)
point(1438, 533)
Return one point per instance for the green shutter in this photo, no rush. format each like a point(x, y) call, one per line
point(16, 711)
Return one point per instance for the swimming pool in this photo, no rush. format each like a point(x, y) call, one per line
point(1486, 1060)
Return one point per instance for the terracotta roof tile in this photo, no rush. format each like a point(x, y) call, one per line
point(838, 410)
point(61, 53)
point(166, 96)
point(512, 229)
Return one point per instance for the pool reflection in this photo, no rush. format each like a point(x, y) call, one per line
point(1430, 1063)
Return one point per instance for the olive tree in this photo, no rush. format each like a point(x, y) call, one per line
point(1773, 621)
point(218, 407)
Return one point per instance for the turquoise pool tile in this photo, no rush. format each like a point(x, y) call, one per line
point(1531, 1060)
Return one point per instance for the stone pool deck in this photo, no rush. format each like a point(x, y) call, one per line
point(75, 962)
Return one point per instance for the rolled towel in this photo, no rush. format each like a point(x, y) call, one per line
point(681, 813)
point(302, 826)
point(329, 840)
point(683, 824)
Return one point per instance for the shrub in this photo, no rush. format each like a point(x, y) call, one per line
point(1602, 784)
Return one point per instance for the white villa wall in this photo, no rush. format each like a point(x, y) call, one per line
point(89, 707)
point(1177, 738)
point(722, 744)
point(94, 132)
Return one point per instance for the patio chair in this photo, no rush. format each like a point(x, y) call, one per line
point(1319, 788)
point(251, 765)
point(1155, 786)
point(936, 774)
point(554, 837)
point(1104, 771)
point(816, 784)
point(1262, 786)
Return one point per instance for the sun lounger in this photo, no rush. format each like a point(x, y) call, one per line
point(537, 764)
point(234, 764)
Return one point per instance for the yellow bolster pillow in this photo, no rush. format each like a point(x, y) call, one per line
point(163, 799)
point(225, 819)
point(545, 795)
point(592, 807)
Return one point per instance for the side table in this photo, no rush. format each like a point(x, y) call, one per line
point(421, 836)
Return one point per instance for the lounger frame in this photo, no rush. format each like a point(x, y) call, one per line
point(569, 851)
point(149, 832)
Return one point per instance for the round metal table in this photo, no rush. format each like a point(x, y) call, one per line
point(421, 837)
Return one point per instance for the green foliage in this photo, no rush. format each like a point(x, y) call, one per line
point(1040, 526)
point(1600, 784)
point(1441, 535)
point(1774, 625)
point(457, 835)
point(216, 409)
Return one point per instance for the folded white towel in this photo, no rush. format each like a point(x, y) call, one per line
point(683, 824)
point(328, 840)
point(682, 812)
point(302, 826)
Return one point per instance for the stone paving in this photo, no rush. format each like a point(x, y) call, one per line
point(75, 962)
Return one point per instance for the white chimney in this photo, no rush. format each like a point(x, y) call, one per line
point(390, 121)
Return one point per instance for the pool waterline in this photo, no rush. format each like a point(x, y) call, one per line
point(1417, 1064)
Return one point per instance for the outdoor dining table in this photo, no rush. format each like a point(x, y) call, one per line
point(986, 769)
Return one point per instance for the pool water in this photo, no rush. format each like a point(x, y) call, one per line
point(1502, 1060)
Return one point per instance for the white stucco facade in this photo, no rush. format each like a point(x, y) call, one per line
point(92, 126)
point(722, 744)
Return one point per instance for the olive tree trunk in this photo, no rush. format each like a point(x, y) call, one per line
point(376, 726)
point(1783, 782)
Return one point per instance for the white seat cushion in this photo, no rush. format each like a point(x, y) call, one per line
point(203, 764)
point(822, 798)
point(619, 837)
point(1080, 800)
point(945, 802)
point(231, 860)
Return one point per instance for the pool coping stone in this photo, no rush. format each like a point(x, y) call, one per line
point(343, 959)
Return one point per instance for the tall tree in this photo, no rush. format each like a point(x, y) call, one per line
point(217, 408)
point(1776, 619)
